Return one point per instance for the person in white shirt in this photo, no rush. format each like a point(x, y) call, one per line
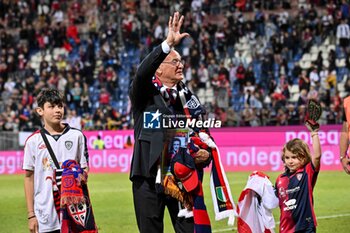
point(39, 182)
point(314, 78)
point(343, 34)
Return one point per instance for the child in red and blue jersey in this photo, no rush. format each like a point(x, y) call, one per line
point(294, 188)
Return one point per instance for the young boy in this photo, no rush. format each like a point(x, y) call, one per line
point(294, 188)
point(67, 144)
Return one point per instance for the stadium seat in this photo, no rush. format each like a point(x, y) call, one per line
point(343, 94)
point(201, 95)
point(34, 65)
point(314, 49)
point(340, 87)
point(294, 89)
point(305, 65)
point(326, 63)
point(325, 56)
point(330, 47)
point(246, 47)
point(323, 48)
point(295, 97)
point(326, 41)
point(243, 40)
point(340, 62)
point(249, 59)
point(314, 56)
point(306, 57)
point(48, 58)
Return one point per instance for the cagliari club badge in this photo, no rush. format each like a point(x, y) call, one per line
point(299, 176)
point(68, 144)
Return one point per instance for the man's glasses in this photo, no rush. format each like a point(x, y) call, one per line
point(175, 62)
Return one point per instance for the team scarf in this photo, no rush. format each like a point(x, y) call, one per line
point(76, 209)
point(224, 206)
point(222, 199)
point(190, 103)
point(200, 215)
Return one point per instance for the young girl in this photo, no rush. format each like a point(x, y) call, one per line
point(294, 188)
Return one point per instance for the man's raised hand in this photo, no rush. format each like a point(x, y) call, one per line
point(174, 25)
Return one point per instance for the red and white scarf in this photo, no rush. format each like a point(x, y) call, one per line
point(224, 206)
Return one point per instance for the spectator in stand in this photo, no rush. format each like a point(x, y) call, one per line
point(73, 119)
point(203, 76)
point(240, 75)
point(323, 78)
point(343, 34)
point(302, 100)
point(98, 143)
point(292, 115)
point(332, 115)
point(304, 81)
point(332, 79)
point(104, 97)
point(247, 115)
point(232, 73)
point(281, 117)
point(23, 31)
point(345, 9)
point(314, 78)
point(232, 119)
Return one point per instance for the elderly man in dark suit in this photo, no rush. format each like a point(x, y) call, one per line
point(156, 88)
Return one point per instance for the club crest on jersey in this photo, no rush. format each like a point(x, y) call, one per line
point(68, 144)
point(299, 176)
point(193, 103)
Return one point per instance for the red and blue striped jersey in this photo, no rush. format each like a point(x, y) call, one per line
point(295, 194)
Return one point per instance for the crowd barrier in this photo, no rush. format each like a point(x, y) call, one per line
point(241, 149)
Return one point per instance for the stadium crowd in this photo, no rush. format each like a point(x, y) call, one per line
point(244, 59)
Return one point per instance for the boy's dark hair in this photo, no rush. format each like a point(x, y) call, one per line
point(51, 95)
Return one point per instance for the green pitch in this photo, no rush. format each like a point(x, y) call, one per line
point(113, 206)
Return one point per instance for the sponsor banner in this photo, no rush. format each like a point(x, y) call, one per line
point(239, 136)
point(114, 139)
point(273, 136)
point(243, 158)
point(100, 161)
point(253, 158)
point(11, 162)
point(107, 161)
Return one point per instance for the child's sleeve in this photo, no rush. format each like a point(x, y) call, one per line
point(312, 173)
point(84, 154)
point(29, 156)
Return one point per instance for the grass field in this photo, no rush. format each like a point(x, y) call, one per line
point(113, 206)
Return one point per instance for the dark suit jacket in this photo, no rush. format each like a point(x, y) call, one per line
point(144, 97)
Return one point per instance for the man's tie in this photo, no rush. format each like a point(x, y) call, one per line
point(172, 95)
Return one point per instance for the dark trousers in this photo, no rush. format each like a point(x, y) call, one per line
point(150, 206)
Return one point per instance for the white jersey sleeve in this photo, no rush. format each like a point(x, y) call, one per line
point(29, 153)
point(83, 154)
